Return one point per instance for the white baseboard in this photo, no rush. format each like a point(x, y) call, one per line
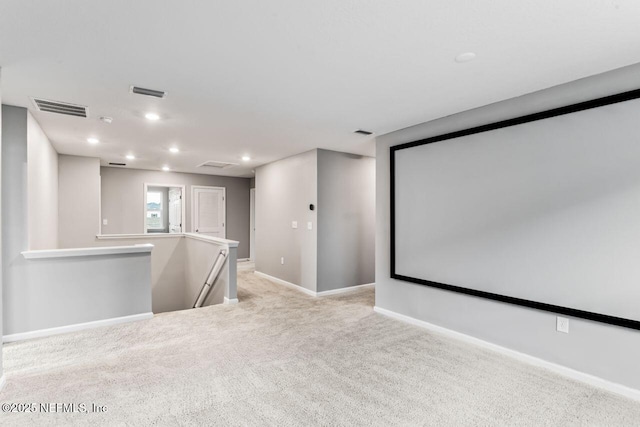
point(532, 360)
point(343, 290)
point(76, 327)
point(308, 291)
point(285, 283)
point(230, 300)
point(3, 381)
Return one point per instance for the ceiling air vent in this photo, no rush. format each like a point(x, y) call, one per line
point(216, 165)
point(60, 107)
point(148, 92)
point(363, 132)
point(117, 164)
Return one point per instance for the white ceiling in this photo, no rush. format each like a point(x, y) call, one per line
point(275, 78)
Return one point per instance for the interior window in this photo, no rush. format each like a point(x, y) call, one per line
point(155, 217)
point(163, 210)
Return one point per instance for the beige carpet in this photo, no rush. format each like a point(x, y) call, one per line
point(285, 359)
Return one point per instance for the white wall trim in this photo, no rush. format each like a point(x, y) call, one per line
point(308, 291)
point(74, 252)
point(532, 360)
point(138, 236)
point(285, 283)
point(343, 290)
point(212, 239)
point(205, 238)
point(243, 259)
point(3, 381)
point(76, 327)
point(230, 300)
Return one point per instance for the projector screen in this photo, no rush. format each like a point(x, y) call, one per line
point(541, 211)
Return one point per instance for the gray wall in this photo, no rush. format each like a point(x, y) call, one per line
point(42, 170)
point(78, 201)
point(39, 294)
point(122, 204)
point(66, 291)
point(346, 220)
point(179, 267)
point(167, 269)
point(284, 190)
point(15, 238)
point(605, 351)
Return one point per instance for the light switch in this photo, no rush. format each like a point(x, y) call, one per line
point(294, 224)
point(105, 222)
point(309, 225)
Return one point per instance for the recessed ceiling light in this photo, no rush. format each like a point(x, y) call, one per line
point(166, 168)
point(93, 140)
point(131, 157)
point(174, 150)
point(246, 158)
point(152, 116)
point(466, 57)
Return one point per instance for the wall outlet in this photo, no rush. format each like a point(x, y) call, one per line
point(309, 225)
point(294, 224)
point(562, 324)
point(282, 260)
point(105, 222)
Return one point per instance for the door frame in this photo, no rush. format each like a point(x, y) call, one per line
point(183, 201)
point(144, 211)
point(193, 206)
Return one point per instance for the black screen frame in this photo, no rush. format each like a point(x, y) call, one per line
point(573, 108)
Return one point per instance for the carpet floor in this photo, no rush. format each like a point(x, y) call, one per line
point(282, 358)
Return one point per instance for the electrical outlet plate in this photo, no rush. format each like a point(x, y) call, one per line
point(294, 224)
point(562, 324)
point(282, 260)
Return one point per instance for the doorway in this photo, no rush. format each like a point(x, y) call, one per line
point(252, 224)
point(208, 211)
point(175, 210)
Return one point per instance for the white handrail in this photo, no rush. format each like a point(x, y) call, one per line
point(211, 278)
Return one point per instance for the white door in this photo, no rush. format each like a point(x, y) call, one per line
point(175, 210)
point(208, 207)
point(252, 224)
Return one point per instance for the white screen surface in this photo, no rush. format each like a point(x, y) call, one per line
point(547, 211)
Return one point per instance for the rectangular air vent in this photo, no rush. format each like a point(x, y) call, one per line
point(217, 165)
point(60, 107)
point(148, 92)
point(117, 164)
point(363, 132)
